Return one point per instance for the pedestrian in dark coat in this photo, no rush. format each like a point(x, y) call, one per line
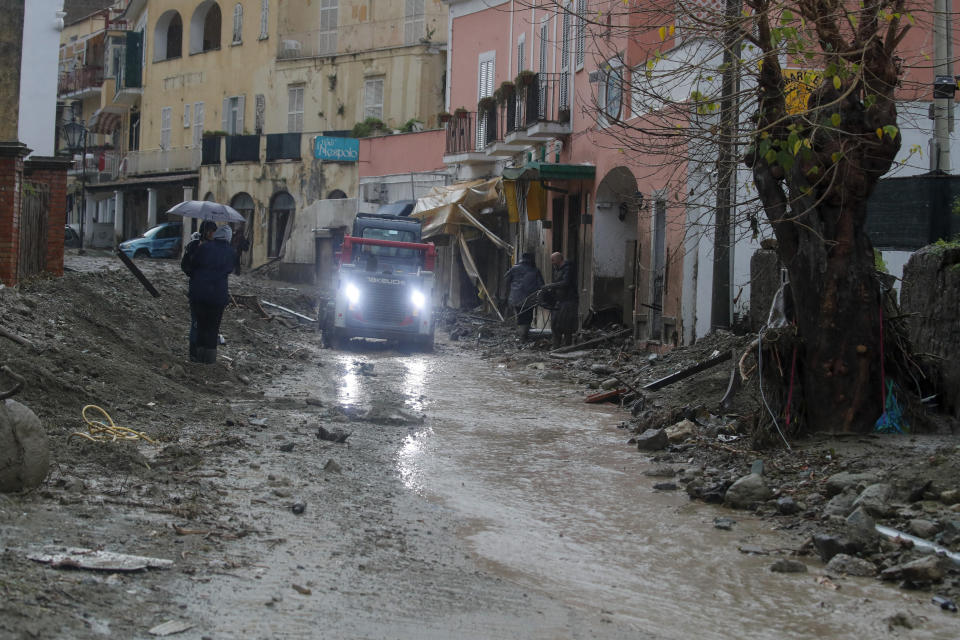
point(522, 281)
point(564, 319)
point(210, 264)
point(205, 234)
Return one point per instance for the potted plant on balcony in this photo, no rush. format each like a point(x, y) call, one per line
point(563, 115)
point(444, 117)
point(488, 103)
point(506, 91)
point(525, 78)
point(460, 112)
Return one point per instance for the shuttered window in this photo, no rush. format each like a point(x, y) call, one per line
point(264, 18)
point(373, 98)
point(581, 32)
point(327, 32)
point(295, 109)
point(486, 72)
point(166, 116)
point(197, 124)
point(413, 22)
point(565, 59)
point(237, 23)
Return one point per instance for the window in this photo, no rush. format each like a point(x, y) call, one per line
point(610, 93)
point(413, 22)
point(186, 116)
point(327, 33)
point(486, 67)
point(295, 109)
point(166, 115)
point(544, 34)
point(521, 53)
point(237, 23)
point(581, 32)
point(168, 37)
point(281, 210)
point(373, 98)
point(205, 27)
point(233, 115)
point(197, 124)
point(259, 112)
point(264, 18)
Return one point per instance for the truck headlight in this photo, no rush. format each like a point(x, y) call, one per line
point(352, 293)
point(418, 299)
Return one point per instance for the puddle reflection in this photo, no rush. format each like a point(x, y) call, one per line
point(410, 459)
point(348, 391)
point(414, 382)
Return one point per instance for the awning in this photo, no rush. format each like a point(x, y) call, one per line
point(105, 120)
point(550, 171)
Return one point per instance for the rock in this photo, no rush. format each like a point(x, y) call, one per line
point(923, 528)
point(813, 499)
point(660, 472)
point(681, 431)
point(286, 448)
point(335, 435)
point(747, 491)
point(851, 566)
point(665, 486)
point(861, 528)
point(757, 467)
point(786, 565)
point(950, 496)
point(903, 619)
point(875, 499)
point(828, 546)
point(609, 383)
point(652, 440)
point(24, 454)
point(601, 369)
point(787, 505)
point(332, 467)
point(927, 569)
point(840, 504)
point(840, 481)
point(725, 524)
point(951, 532)
point(298, 508)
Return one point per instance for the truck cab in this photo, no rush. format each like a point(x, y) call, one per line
point(384, 285)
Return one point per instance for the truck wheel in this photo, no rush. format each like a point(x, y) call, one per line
point(426, 343)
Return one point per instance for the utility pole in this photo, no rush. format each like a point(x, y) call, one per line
point(721, 314)
point(942, 98)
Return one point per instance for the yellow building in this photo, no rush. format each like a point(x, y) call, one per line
point(232, 95)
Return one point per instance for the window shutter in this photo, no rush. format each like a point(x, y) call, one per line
point(166, 115)
point(197, 124)
point(581, 32)
point(240, 101)
point(264, 18)
point(226, 115)
point(132, 66)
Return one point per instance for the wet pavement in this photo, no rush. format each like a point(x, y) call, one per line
point(476, 500)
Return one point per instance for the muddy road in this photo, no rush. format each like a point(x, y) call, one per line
point(474, 496)
point(474, 499)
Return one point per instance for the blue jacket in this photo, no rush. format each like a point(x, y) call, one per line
point(210, 263)
point(521, 280)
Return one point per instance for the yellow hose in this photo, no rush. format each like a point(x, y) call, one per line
point(104, 432)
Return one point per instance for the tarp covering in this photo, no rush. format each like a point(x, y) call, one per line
point(440, 210)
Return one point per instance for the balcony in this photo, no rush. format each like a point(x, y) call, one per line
point(135, 163)
point(542, 109)
point(80, 83)
point(283, 146)
point(497, 126)
point(243, 148)
point(463, 145)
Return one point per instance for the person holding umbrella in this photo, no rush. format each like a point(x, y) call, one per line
point(208, 264)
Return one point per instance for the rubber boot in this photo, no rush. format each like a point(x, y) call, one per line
point(523, 332)
point(209, 356)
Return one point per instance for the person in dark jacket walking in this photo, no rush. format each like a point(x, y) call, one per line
point(209, 265)
point(563, 320)
point(522, 280)
point(205, 234)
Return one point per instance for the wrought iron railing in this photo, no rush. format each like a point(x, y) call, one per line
point(79, 79)
point(461, 133)
point(545, 99)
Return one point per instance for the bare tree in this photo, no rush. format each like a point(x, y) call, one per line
point(786, 110)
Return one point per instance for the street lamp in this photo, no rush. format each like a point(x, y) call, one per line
point(76, 135)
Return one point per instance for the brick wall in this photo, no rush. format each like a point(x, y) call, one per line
point(53, 173)
point(11, 180)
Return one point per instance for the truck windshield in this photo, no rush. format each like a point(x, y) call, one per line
point(397, 235)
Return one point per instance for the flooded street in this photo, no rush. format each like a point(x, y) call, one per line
point(507, 507)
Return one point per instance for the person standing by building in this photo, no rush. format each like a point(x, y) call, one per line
point(210, 263)
point(563, 320)
point(205, 234)
point(522, 280)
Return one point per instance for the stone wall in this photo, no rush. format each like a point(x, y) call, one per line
point(930, 296)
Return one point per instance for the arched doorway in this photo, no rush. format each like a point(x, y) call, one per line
point(281, 212)
point(205, 27)
point(615, 248)
point(336, 194)
point(243, 231)
point(168, 37)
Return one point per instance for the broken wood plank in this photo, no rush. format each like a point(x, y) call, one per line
point(16, 338)
point(604, 396)
point(609, 336)
point(97, 560)
point(686, 373)
point(290, 311)
point(135, 270)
